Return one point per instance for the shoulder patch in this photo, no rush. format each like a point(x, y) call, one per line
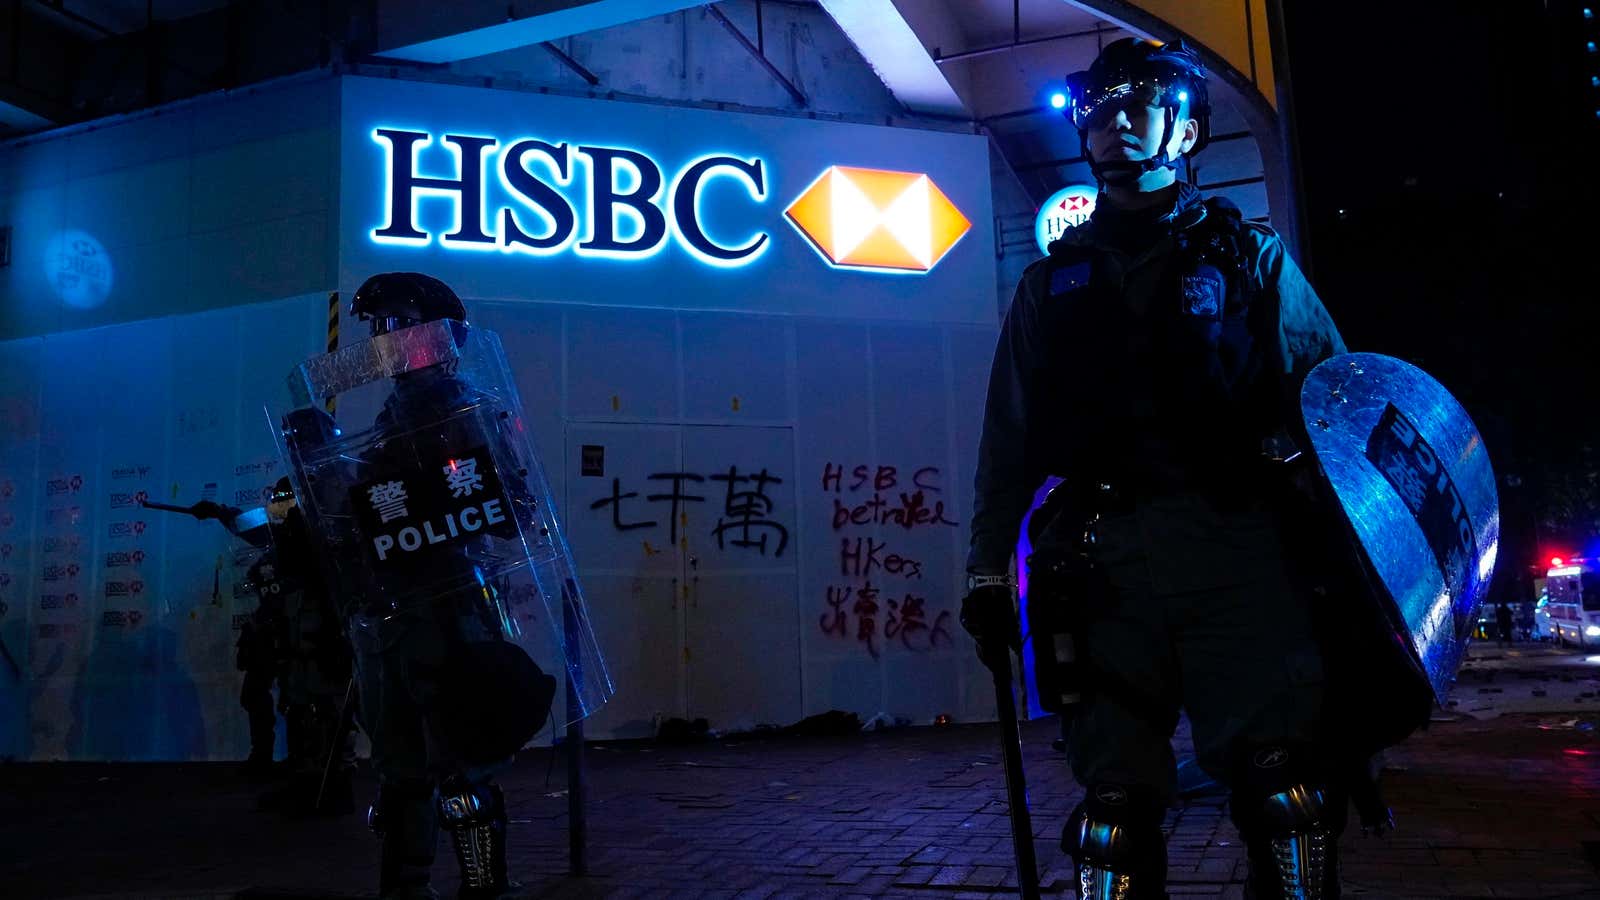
point(1069, 278)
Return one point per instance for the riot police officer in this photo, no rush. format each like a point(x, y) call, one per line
point(1151, 359)
point(256, 656)
point(296, 636)
point(314, 681)
point(426, 645)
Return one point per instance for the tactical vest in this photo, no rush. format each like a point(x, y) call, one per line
point(1177, 394)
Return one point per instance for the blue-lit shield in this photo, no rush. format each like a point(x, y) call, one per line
point(431, 506)
point(1413, 478)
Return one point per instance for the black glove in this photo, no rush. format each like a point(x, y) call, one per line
point(989, 615)
point(210, 509)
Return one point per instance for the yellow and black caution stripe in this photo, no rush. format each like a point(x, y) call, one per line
point(333, 338)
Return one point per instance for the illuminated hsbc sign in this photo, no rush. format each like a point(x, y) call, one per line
point(619, 203)
point(1067, 208)
point(586, 199)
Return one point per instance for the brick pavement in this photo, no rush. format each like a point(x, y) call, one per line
point(1488, 808)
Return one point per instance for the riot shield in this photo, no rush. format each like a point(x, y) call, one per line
point(431, 504)
point(1413, 479)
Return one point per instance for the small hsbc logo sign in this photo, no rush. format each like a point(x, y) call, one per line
point(620, 203)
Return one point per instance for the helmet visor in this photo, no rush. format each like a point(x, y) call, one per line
point(1092, 107)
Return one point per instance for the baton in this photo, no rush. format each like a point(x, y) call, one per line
point(334, 745)
point(168, 507)
point(1016, 783)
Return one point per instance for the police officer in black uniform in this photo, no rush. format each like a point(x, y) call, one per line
point(296, 636)
point(256, 655)
point(421, 667)
point(1153, 359)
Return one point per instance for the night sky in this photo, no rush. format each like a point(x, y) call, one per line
point(1449, 164)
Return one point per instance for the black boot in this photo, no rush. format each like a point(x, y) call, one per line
point(475, 816)
point(404, 816)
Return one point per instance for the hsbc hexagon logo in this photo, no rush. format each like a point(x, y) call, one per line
point(877, 219)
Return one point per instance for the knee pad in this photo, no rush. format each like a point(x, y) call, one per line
point(1290, 820)
point(1115, 840)
point(475, 816)
point(463, 804)
point(1283, 789)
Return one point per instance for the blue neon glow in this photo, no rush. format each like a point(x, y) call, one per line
point(1030, 647)
point(755, 246)
point(632, 215)
point(1183, 96)
point(418, 192)
point(554, 171)
point(1058, 100)
point(628, 222)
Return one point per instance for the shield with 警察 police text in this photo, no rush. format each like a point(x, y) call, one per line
point(430, 504)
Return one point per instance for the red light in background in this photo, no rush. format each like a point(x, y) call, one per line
point(1557, 561)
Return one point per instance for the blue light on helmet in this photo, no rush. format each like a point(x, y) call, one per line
point(1058, 100)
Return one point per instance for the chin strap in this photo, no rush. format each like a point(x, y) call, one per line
point(1125, 171)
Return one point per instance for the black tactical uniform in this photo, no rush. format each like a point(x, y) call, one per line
point(1151, 360)
point(420, 666)
point(256, 655)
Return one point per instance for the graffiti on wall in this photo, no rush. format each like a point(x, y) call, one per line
point(877, 581)
point(747, 520)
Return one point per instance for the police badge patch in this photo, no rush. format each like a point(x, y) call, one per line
point(1202, 294)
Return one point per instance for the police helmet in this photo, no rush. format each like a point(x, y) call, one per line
point(1148, 73)
point(282, 491)
point(394, 300)
point(306, 429)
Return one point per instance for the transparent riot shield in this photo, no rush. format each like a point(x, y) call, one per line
point(1413, 478)
point(431, 506)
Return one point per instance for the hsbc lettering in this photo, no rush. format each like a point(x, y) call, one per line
point(627, 210)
